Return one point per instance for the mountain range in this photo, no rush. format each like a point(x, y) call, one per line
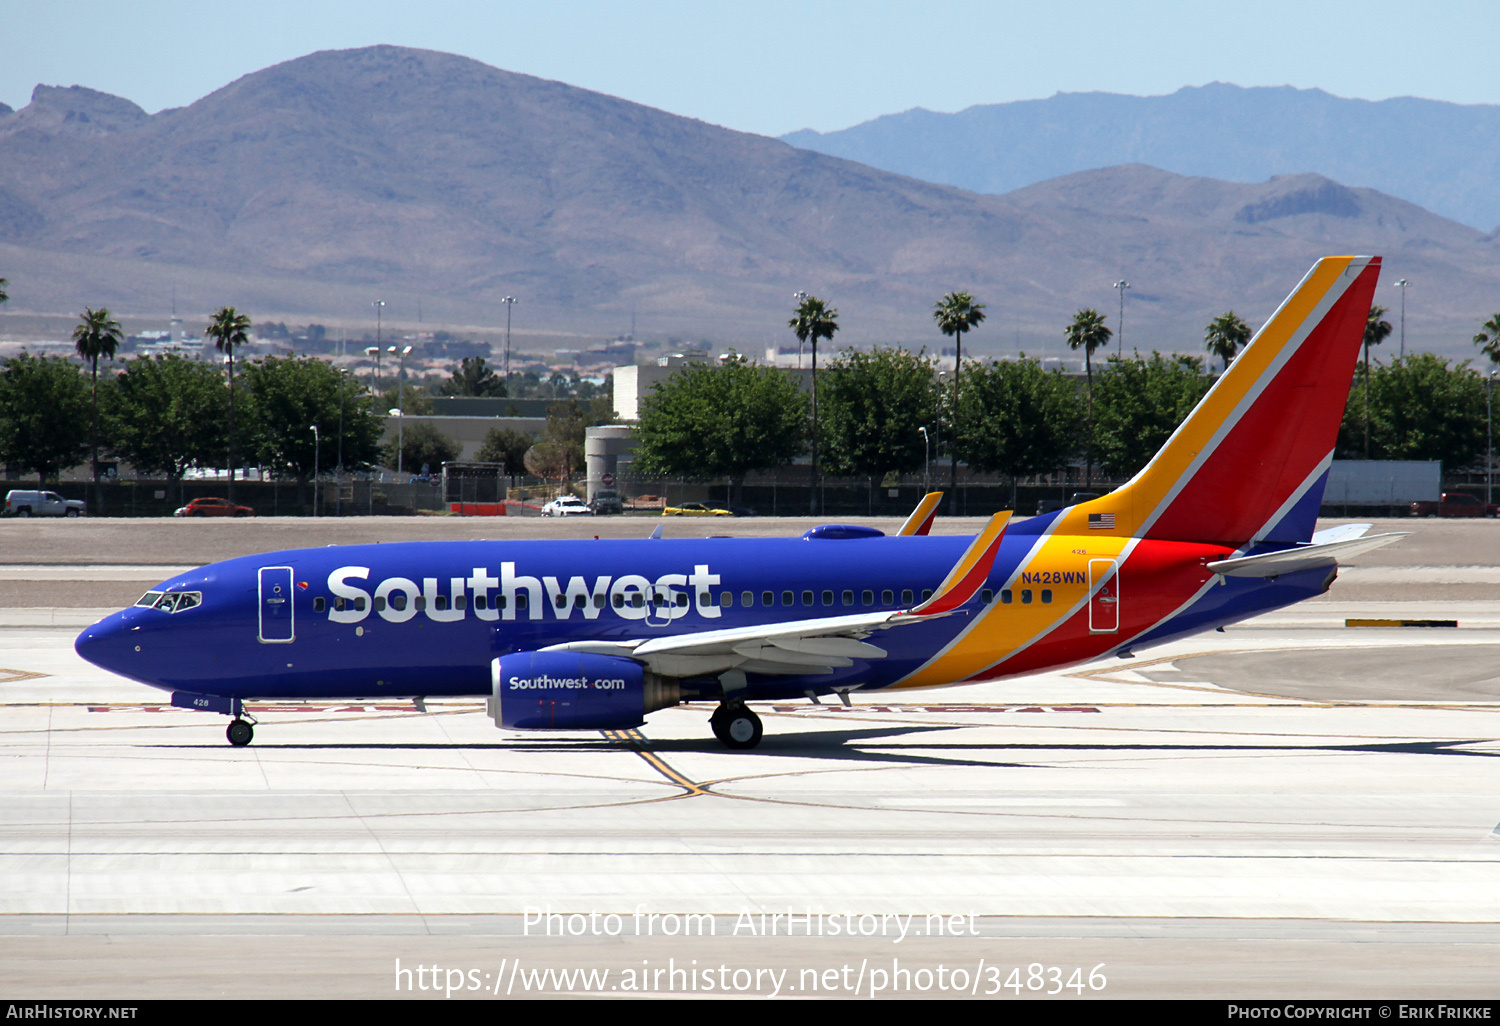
point(1442, 156)
point(308, 190)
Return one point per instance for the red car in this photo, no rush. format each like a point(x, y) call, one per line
point(214, 508)
point(1454, 504)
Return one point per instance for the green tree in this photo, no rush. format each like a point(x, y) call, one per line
point(415, 402)
point(1418, 408)
point(1140, 403)
point(169, 413)
point(1488, 339)
point(955, 314)
point(721, 422)
point(472, 377)
point(814, 320)
point(4, 295)
point(288, 395)
point(96, 335)
point(1019, 420)
point(422, 445)
point(1225, 336)
point(873, 407)
point(507, 447)
point(229, 329)
point(1087, 332)
point(44, 414)
point(1376, 332)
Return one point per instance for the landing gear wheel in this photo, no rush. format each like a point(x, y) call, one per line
point(736, 726)
point(240, 733)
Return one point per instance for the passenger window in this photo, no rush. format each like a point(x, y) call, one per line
point(788, 599)
point(807, 598)
point(682, 600)
point(1046, 594)
point(523, 600)
point(379, 604)
point(637, 600)
point(440, 602)
point(558, 601)
point(906, 596)
point(421, 603)
point(867, 597)
point(926, 594)
point(398, 601)
point(986, 596)
point(499, 602)
point(747, 599)
point(1005, 596)
point(1025, 596)
point(619, 601)
point(848, 598)
point(887, 597)
point(726, 599)
point(828, 598)
point(319, 603)
point(359, 603)
point(461, 602)
point(481, 601)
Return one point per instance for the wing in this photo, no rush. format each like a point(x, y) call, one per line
point(800, 647)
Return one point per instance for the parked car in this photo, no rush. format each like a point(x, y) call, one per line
point(1455, 504)
point(22, 503)
point(607, 501)
point(695, 509)
point(567, 506)
point(214, 508)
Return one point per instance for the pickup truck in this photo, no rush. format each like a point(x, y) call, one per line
point(22, 503)
point(1455, 504)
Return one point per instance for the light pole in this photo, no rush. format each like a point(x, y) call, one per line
point(926, 462)
point(1489, 439)
point(401, 405)
point(1122, 285)
point(338, 499)
point(374, 351)
point(317, 454)
point(800, 297)
point(1403, 284)
point(509, 301)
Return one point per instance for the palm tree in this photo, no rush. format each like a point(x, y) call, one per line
point(96, 335)
point(1487, 340)
point(1376, 332)
point(1225, 336)
point(813, 321)
point(1087, 332)
point(229, 328)
point(955, 314)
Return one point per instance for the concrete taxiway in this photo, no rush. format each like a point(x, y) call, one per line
point(1291, 808)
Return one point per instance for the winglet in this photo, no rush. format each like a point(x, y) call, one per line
point(920, 521)
point(969, 572)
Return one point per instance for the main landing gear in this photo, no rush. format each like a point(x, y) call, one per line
point(735, 725)
point(240, 733)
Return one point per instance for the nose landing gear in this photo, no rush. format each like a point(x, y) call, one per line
point(736, 726)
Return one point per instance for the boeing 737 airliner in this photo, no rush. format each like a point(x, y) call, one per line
point(571, 635)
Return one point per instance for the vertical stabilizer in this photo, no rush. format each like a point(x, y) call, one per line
point(1249, 462)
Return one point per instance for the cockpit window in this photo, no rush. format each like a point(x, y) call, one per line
point(171, 602)
point(187, 600)
point(149, 599)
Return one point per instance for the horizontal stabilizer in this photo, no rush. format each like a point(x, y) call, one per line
point(1305, 557)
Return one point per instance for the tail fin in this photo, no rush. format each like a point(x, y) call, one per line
point(1249, 462)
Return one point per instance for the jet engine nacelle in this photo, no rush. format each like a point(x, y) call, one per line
point(574, 691)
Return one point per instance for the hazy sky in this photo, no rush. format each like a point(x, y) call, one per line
point(770, 66)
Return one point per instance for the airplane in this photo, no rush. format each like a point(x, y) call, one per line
point(595, 635)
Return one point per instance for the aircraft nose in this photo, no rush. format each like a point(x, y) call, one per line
point(107, 643)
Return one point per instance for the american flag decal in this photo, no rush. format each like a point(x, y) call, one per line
point(1101, 521)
